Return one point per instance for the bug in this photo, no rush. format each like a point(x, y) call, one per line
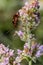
point(15, 19)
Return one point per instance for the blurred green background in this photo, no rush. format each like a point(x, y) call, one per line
point(7, 9)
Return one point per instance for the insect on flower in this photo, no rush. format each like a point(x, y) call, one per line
point(15, 19)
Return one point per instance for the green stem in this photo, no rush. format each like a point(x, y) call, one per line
point(28, 35)
point(30, 62)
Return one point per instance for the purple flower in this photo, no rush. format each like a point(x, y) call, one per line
point(38, 54)
point(33, 46)
point(26, 45)
point(5, 54)
point(41, 47)
point(11, 52)
point(18, 64)
point(40, 51)
point(20, 33)
point(19, 52)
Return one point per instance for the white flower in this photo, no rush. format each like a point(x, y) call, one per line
point(26, 4)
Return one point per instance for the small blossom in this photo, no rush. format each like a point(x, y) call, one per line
point(5, 55)
point(19, 52)
point(38, 54)
point(18, 59)
point(11, 52)
point(20, 33)
point(41, 47)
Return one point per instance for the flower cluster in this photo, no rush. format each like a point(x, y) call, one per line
point(30, 14)
point(30, 18)
point(6, 55)
point(34, 52)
